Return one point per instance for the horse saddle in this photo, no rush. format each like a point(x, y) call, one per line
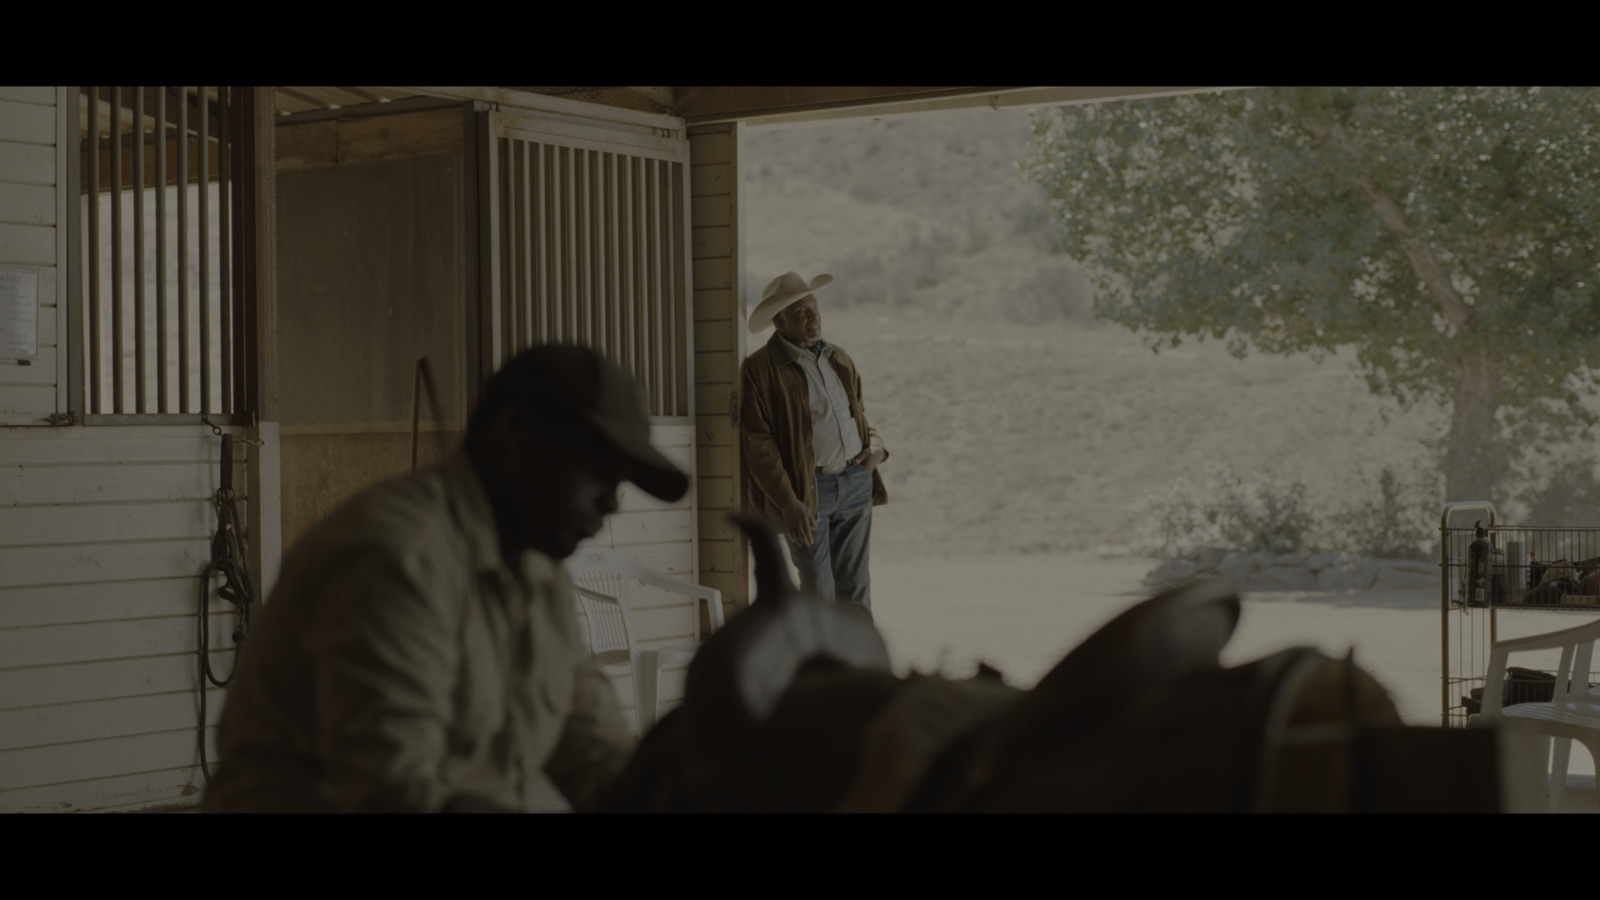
point(793, 707)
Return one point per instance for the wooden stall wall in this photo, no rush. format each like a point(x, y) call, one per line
point(371, 279)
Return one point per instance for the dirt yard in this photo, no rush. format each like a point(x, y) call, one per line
point(1022, 614)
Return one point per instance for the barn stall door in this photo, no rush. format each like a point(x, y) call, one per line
point(584, 239)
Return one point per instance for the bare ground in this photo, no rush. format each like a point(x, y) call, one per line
point(1022, 614)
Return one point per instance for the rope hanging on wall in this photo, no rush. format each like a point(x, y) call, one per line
point(421, 381)
point(228, 559)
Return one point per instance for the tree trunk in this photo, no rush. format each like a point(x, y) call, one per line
point(1474, 454)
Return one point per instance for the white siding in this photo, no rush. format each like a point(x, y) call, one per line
point(103, 534)
point(659, 535)
point(33, 236)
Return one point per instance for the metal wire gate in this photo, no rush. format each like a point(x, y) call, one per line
point(1487, 568)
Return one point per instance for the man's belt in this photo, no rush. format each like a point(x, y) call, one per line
point(834, 468)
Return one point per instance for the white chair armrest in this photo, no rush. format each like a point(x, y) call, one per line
point(1553, 640)
point(595, 595)
point(678, 585)
point(668, 656)
point(712, 596)
point(1494, 682)
point(1567, 640)
point(1494, 685)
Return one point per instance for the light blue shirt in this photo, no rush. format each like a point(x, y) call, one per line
point(835, 439)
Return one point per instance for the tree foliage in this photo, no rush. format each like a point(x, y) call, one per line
point(1450, 235)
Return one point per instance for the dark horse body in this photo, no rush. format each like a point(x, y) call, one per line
point(793, 707)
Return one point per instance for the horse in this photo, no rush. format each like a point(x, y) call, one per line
point(793, 706)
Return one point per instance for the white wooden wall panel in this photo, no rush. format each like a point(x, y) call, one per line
point(25, 403)
point(27, 204)
point(124, 638)
point(86, 563)
point(66, 604)
point(103, 533)
point(28, 163)
point(129, 483)
point(41, 374)
point(70, 723)
point(105, 794)
point(27, 121)
point(28, 245)
point(660, 535)
point(105, 680)
point(32, 235)
point(44, 767)
point(110, 523)
point(29, 94)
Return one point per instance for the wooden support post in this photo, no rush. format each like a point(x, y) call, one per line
point(259, 222)
point(716, 204)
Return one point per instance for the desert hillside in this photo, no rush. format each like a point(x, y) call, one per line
point(1016, 422)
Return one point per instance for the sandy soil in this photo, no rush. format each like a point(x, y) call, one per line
point(1022, 614)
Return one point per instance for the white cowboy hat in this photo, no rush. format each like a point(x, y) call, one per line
point(784, 290)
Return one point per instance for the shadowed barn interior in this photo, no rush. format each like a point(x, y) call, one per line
point(279, 296)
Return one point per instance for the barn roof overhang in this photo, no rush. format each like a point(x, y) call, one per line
point(654, 106)
point(765, 105)
point(795, 105)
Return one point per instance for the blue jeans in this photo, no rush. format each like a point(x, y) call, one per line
point(834, 567)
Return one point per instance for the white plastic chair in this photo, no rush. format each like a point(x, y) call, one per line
point(1572, 714)
point(605, 580)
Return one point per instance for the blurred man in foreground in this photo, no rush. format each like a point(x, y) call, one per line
point(420, 651)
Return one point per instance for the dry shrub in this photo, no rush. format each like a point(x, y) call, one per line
point(1399, 522)
point(1221, 508)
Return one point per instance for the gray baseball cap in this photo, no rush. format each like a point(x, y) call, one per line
point(572, 380)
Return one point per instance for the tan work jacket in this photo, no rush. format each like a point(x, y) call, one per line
point(775, 429)
point(400, 661)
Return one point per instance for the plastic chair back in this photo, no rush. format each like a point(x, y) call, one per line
point(606, 580)
point(609, 629)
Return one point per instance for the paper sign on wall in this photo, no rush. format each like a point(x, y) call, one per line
point(19, 313)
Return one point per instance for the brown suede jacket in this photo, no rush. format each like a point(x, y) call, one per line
point(775, 429)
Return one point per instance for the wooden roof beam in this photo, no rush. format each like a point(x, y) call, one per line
point(721, 104)
point(702, 105)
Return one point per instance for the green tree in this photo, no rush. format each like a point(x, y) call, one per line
point(1451, 235)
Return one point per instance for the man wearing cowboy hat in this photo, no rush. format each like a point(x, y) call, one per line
point(810, 457)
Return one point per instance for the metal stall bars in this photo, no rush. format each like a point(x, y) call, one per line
point(1539, 568)
point(172, 307)
point(587, 244)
